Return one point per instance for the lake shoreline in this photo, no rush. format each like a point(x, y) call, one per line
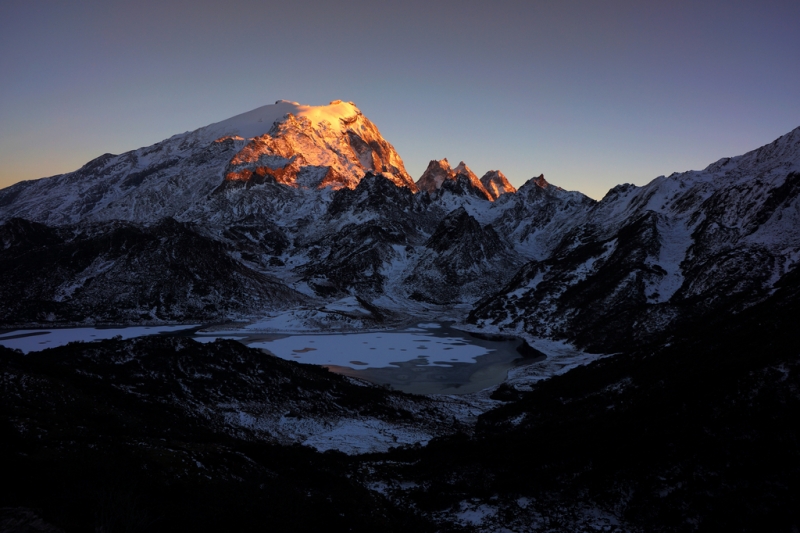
point(422, 358)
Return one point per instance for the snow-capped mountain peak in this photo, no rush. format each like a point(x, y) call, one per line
point(313, 146)
point(296, 145)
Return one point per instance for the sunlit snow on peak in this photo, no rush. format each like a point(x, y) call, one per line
point(260, 120)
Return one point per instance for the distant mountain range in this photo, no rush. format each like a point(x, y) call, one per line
point(299, 212)
point(289, 206)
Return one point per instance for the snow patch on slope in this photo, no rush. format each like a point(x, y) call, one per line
point(675, 241)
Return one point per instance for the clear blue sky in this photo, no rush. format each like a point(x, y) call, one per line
point(590, 93)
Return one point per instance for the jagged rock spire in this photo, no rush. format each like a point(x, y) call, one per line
point(496, 184)
point(439, 172)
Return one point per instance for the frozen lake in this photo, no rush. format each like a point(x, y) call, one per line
point(430, 358)
point(376, 350)
point(31, 340)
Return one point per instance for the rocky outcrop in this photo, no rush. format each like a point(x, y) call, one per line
point(461, 261)
point(496, 184)
point(438, 172)
point(124, 273)
point(460, 180)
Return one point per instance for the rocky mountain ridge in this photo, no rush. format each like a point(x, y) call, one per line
point(319, 204)
point(678, 249)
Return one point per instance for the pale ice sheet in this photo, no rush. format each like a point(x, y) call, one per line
point(40, 339)
point(373, 350)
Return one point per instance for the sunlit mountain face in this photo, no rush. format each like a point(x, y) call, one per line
point(252, 254)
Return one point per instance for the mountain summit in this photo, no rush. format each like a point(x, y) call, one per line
point(331, 146)
point(309, 146)
point(496, 184)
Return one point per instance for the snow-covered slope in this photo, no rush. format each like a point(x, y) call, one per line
point(646, 258)
point(259, 121)
point(122, 273)
point(538, 215)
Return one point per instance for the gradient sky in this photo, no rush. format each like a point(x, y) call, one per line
point(590, 93)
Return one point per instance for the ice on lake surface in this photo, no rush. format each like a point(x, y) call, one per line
point(31, 340)
point(430, 358)
point(376, 349)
